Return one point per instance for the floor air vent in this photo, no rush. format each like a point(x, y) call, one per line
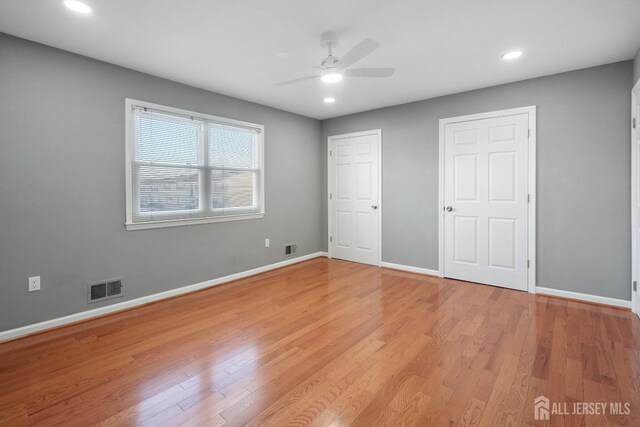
point(108, 289)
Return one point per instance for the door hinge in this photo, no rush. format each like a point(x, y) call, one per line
point(528, 264)
point(331, 238)
point(528, 198)
point(330, 153)
point(529, 133)
point(633, 122)
point(330, 195)
point(635, 286)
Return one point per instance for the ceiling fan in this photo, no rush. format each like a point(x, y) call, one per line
point(332, 69)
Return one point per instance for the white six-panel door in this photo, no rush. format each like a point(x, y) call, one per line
point(354, 197)
point(486, 200)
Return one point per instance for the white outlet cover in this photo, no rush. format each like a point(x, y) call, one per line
point(34, 283)
point(266, 243)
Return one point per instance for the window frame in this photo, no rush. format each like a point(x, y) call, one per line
point(130, 225)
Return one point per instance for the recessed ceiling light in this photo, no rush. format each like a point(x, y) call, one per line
point(329, 100)
point(331, 77)
point(77, 6)
point(512, 55)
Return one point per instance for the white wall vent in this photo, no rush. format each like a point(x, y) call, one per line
point(290, 249)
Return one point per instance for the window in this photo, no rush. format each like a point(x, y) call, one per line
point(190, 168)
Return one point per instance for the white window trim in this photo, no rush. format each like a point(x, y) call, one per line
point(129, 142)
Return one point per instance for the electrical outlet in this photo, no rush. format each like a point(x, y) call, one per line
point(266, 242)
point(34, 283)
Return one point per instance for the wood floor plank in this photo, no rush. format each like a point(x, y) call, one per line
point(328, 342)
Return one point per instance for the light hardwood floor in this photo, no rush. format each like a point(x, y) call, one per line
point(328, 342)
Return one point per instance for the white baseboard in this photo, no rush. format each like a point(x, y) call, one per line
point(410, 269)
point(84, 315)
point(583, 297)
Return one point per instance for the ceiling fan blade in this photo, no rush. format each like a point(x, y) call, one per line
point(298, 59)
point(301, 79)
point(362, 49)
point(370, 72)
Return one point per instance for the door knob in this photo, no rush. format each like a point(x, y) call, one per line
point(374, 207)
point(449, 208)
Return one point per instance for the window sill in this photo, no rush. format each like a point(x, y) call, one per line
point(132, 226)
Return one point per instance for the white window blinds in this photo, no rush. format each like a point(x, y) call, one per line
point(190, 168)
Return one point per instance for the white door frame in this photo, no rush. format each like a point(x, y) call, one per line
point(635, 221)
point(531, 220)
point(330, 139)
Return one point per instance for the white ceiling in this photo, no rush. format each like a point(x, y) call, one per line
point(437, 46)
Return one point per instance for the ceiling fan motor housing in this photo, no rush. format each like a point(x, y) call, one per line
point(330, 62)
point(328, 39)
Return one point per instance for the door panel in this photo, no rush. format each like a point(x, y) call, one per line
point(466, 183)
point(486, 186)
point(354, 189)
point(502, 133)
point(502, 177)
point(363, 181)
point(344, 183)
point(365, 223)
point(502, 243)
point(343, 229)
point(465, 136)
point(465, 239)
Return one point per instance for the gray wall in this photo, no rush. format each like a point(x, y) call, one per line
point(62, 201)
point(62, 181)
point(583, 176)
point(636, 67)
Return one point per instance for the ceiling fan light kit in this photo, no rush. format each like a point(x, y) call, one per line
point(333, 69)
point(331, 77)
